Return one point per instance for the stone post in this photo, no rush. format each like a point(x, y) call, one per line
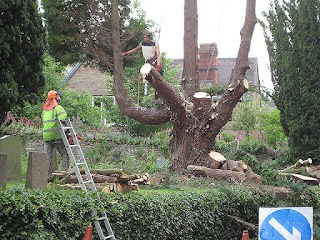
point(37, 172)
point(3, 168)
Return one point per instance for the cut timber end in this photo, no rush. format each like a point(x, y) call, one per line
point(214, 115)
point(201, 95)
point(216, 160)
point(246, 83)
point(308, 180)
point(308, 161)
point(217, 156)
point(145, 69)
point(202, 100)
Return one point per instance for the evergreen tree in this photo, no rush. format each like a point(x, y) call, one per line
point(22, 44)
point(293, 39)
point(79, 30)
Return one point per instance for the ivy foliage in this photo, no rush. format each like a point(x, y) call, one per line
point(292, 35)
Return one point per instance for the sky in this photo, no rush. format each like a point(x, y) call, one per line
point(219, 21)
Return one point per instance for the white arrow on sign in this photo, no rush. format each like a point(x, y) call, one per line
point(296, 235)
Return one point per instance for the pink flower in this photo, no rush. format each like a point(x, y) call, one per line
point(240, 136)
point(10, 117)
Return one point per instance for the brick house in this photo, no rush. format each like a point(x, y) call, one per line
point(214, 70)
point(87, 78)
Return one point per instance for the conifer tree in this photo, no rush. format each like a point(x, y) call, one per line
point(22, 44)
point(79, 30)
point(293, 37)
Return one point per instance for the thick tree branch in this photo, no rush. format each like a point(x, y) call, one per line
point(221, 113)
point(170, 96)
point(242, 62)
point(126, 105)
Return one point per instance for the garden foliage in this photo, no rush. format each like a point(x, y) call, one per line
point(210, 214)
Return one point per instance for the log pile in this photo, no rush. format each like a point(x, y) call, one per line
point(106, 180)
point(219, 168)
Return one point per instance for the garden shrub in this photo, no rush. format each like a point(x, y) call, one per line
point(249, 117)
point(270, 125)
point(135, 128)
point(245, 116)
point(187, 214)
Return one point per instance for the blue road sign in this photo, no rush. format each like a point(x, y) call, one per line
point(286, 224)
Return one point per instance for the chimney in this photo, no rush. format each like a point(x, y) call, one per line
point(208, 71)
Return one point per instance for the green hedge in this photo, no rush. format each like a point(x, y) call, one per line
point(64, 214)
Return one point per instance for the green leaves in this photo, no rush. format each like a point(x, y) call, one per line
point(158, 215)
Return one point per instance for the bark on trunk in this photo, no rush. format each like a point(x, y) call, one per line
point(238, 176)
point(190, 75)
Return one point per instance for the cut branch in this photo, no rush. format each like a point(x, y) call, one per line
point(216, 160)
point(167, 93)
point(244, 223)
point(298, 164)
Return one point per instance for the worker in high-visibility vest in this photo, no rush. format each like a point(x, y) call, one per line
point(51, 135)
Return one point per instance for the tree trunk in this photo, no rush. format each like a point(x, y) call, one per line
point(196, 120)
point(190, 75)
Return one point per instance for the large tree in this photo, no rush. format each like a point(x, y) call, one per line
point(293, 37)
point(22, 45)
point(196, 121)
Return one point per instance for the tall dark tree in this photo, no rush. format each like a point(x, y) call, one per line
point(22, 45)
point(292, 34)
point(196, 121)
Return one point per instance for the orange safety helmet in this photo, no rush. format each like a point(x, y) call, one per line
point(52, 100)
point(52, 94)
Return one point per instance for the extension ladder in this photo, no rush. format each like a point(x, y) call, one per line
point(78, 161)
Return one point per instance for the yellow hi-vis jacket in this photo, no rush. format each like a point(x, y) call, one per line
point(50, 127)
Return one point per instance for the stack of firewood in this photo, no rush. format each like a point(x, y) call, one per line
point(219, 168)
point(106, 180)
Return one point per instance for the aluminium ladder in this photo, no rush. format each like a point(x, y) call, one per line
point(78, 161)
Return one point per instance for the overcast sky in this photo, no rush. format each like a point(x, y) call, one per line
point(219, 21)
